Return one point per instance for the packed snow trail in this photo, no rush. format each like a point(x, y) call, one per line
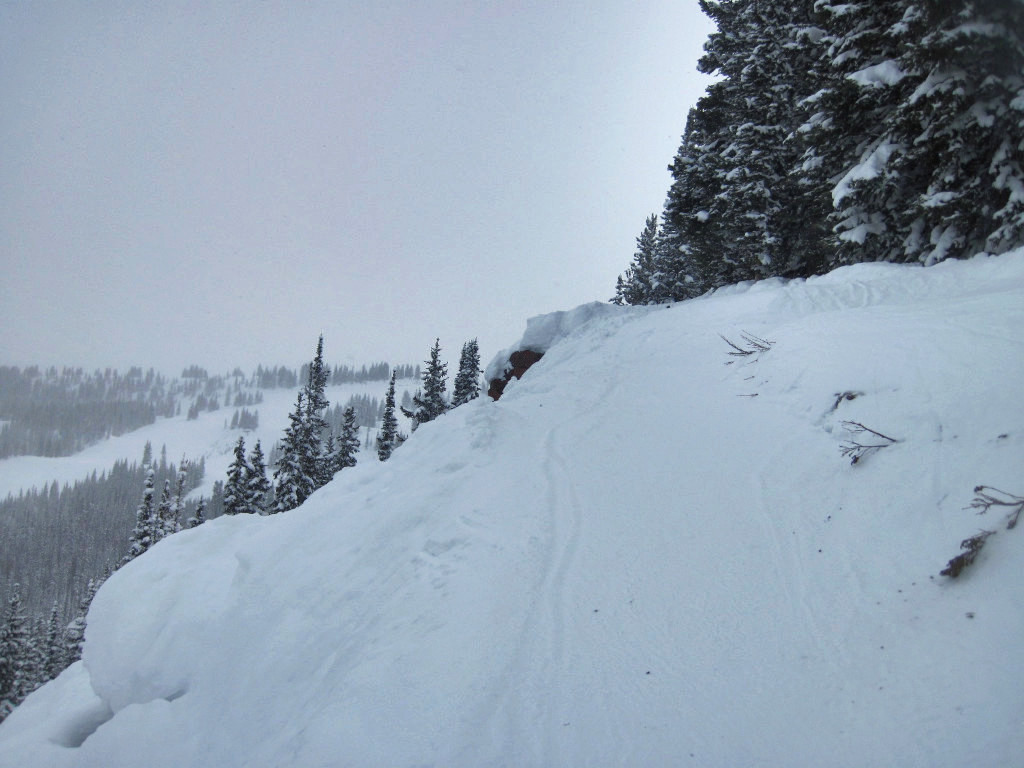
point(648, 552)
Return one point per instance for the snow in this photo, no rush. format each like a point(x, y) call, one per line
point(878, 75)
point(544, 330)
point(646, 553)
point(872, 165)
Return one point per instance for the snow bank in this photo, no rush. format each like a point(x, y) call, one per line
point(543, 331)
point(651, 553)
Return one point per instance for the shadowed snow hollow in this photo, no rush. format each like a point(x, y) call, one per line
point(649, 552)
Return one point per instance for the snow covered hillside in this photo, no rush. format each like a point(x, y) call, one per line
point(648, 552)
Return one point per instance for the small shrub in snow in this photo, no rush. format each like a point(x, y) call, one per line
point(971, 547)
point(856, 450)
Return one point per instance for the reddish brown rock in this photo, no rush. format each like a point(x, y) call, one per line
point(518, 363)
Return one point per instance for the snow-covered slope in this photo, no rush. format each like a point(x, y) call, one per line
point(640, 555)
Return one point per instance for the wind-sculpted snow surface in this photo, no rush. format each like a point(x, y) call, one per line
point(649, 552)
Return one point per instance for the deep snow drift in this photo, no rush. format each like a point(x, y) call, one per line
point(641, 555)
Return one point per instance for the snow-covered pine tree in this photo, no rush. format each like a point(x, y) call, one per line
point(635, 285)
point(952, 181)
point(258, 489)
point(347, 445)
point(844, 131)
point(467, 380)
point(328, 458)
point(162, 523)
point(143, 537)
point(173, 523)
point(685, 263)
point(54, 654)
point(15, 652)
point(760, 53)
point(74, 633)
point(311, 449)
point(389, 437)
point(199, 516)
point(292, 485)
point(431, 402)
point(235, 489)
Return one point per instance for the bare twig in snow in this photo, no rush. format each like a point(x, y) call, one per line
point(857, 450)
point(985, 497)
point(752, 345)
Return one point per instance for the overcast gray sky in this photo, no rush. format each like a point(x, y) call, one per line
point(218, 182)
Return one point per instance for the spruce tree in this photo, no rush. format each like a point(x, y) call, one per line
point(760, 53)
point(173, 523)
point(236, 487)
point(946, 177)
point(389, 437)
point(431, 402)
point(467, 380)
point(292, 485)
point(310, 455)
point(199, 516)
point(162, 525)
point(54, 660)
point(635, 286)
point(258, 489)
point(74, 633)
point(143, 536)
point(347, 445)
point(15, 653)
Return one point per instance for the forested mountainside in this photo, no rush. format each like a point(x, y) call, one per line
point(58, 412)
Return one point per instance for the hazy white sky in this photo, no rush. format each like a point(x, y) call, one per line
point(218, 182)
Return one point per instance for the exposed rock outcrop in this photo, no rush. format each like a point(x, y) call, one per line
point(518, 363)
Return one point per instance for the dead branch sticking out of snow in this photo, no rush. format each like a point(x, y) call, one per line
point(752, 345)
point(986, 497)
point(857, 450)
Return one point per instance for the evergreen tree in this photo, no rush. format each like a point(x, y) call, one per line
point(15, 654)
point(636, 285)
point(142, 537)
point(199, 516)
point(431, 402)
point(943, 175)
point(162, 525)
point(389, 437)
point(327, 461)
point(843, 131)
point(310, 455)
point(236, 488)
point(467, 381)
point(258, 487)
point(54, 660)
point(172, 524)
point(347, 445)
point(74, 633)
point(292, 485)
